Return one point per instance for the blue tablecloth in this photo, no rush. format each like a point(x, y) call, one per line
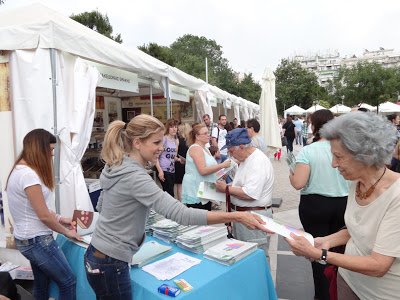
point(249, 278)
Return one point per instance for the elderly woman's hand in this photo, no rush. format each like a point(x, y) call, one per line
point(300, 246)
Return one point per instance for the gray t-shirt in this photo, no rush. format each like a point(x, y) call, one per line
point(124, 206)
point(259, 143)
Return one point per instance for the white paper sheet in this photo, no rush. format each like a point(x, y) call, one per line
point(171, 266)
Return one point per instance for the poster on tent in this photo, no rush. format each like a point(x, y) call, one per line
point(142, 105)
point(7, 156)
point(187, 111)
point(112, 110)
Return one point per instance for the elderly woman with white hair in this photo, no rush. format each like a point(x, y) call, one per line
point(362, 144)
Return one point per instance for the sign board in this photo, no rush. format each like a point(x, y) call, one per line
point(117, 79)
point(179, 93)
point(213, 102)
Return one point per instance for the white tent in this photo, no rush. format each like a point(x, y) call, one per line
point(367, 106)
point(389, 108)
point(294, 110)
point(29, 34)
point(340, 109)
point(314, 108)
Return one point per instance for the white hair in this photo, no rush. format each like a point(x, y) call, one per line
point(371, 138)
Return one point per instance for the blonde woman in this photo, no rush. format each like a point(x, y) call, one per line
point(183, 135)
point(124, 206)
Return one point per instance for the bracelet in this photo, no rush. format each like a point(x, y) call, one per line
point(59, 218)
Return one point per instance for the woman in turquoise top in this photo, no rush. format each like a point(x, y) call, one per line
point(323, 193)
point(200, 166)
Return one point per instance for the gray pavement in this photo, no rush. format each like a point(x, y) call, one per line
point(292, 275)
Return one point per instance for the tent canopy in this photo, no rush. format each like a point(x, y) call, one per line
point(367, 106)
point(340, 109)
point(314, 108)
point(294, 110)
point(37, 26)
point(389, 107)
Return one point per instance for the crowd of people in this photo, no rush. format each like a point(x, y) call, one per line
point(349, 197)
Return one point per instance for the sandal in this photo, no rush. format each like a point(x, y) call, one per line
point(215, 207)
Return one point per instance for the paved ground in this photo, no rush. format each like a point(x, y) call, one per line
point(292, 275)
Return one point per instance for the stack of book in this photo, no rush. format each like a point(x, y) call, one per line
point(230, 251)
point(166, 230)
point(153, 218)
point(148, 253)
point(201, 238)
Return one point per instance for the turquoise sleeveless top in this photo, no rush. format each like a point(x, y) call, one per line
point(192, 178)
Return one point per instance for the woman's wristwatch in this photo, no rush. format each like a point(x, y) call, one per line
point(322, 260)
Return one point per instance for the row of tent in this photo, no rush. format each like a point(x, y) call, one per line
point(52, 86)
point(37, 26)
point(384, 108)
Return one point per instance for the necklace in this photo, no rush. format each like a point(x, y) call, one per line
point(363, 196)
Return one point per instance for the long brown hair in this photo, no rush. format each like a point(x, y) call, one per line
point(118, 143)
point(318, 120)
point(37, 154)
point(170, 123)
point(195, 131)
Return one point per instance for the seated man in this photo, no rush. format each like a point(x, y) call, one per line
point(251, 189)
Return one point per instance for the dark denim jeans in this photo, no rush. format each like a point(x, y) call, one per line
point(48, 262)
point(109, 277)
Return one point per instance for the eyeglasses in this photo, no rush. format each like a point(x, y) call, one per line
point(205, 133)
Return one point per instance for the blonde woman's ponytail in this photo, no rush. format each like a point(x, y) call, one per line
point(113, 149)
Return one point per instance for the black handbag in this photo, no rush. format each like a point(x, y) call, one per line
point(284, 141)
point(396, 166)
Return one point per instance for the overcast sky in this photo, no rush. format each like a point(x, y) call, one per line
point(253, 33)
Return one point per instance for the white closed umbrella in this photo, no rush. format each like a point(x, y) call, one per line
point(340, 109)
point(294, 110)
point(389, 108)
point(268, 114)
point(314, 108)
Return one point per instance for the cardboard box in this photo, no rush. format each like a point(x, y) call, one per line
point(22, 273)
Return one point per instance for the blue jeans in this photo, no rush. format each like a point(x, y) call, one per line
point(48, 262)
point(112, 279)
point(298, 139)
point(304, 141)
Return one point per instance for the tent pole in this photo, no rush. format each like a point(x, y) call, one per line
point(151, 97)
point(168, 98)
point(57, 147)
point(219, 109)
point(225, 109)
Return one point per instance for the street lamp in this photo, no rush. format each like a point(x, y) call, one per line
point(315, 102)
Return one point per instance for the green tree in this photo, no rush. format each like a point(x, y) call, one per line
point(162, 53)
point(295, 85)
point(365, 82)
point(249, 89)
point(324, 103)
point(191, 51)
point(97, 22)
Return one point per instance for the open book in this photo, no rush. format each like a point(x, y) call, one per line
point(228, 170)
point(208, 192)
point(87, 232)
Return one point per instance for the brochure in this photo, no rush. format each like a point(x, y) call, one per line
point(148, 253)
point(207, 191)
point(284, 230)
point(222, 172)
point(291, 161)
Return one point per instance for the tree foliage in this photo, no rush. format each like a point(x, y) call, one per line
point(295, 85)
point(97, 22)
point(366, 82)
point(188, 53)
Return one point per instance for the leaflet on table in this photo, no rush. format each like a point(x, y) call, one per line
point(222, 172)
point(171, 266)
point(208, 191)
point(284, 230)
point(291, 161)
